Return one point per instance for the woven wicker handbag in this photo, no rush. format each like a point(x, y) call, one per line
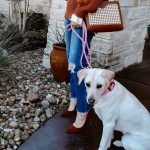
point(108, 18)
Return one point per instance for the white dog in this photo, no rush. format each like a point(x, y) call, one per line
point(118, 109)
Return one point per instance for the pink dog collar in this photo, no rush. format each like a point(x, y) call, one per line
point(110, 88)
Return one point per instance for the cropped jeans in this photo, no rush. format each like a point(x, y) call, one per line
point(74, 51)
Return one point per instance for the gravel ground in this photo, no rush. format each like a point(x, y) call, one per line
point(27, 103)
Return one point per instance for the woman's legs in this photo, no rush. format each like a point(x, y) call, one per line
point(72, 105)
point(74, 67)
point(78, 92)
point(73, 100)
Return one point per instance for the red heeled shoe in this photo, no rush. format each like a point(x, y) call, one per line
point(67, 114)
point(73, 129)
point(90, 115)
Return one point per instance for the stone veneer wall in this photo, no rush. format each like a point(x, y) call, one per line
point(36, 5)
point(115, 50)
point(4, 7)
point(56, 17)
point(120, 49)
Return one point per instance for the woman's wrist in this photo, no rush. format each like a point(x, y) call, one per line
point(76, 19)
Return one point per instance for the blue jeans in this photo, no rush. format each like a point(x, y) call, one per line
point(74, 51)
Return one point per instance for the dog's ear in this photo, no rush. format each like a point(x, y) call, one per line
point(82, 74)
point(109, 75)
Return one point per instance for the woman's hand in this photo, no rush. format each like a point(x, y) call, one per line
point(75, 24)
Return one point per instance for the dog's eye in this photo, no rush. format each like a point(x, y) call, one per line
point(98, 86)
point(88, 84)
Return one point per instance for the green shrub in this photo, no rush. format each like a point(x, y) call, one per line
point(11, 41)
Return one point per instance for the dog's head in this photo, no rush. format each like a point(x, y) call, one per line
point(96, 81)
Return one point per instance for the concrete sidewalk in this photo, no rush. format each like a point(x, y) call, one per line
point(53, 136)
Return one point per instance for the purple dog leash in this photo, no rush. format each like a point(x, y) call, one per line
point(84, 44)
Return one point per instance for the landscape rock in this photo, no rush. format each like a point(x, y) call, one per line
point(27, 116)
point(12, 98)
point(1, 95)
point(9, 148)
point(15, 147)
point(25, 136)
point(5, 135)
point(13, 124)
point(11, 135)
point(32, 97)
point(38, 112)
point(48, 113)
point(17, 138)
point(51, 98)
point(18, 132)
point(64, 101)
point(27, 105)
point(36, 119)
point(45, 104)
point(35, 89)
point(43, 118)
point(11, 142)
point(8, 130)
point(36, 126)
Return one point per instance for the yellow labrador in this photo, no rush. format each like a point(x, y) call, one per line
point(118, 109)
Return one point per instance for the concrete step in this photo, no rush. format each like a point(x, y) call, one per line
point(53, 136)
point(141, 91)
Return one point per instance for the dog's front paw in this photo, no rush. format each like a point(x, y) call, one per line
point(101, 148)
point(109, 143)
point(118, 143)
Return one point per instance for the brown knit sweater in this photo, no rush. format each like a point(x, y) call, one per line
point(81, 7)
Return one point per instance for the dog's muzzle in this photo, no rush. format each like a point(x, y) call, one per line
point(91, 101)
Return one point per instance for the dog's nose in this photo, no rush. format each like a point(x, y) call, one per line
point(91, 101)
